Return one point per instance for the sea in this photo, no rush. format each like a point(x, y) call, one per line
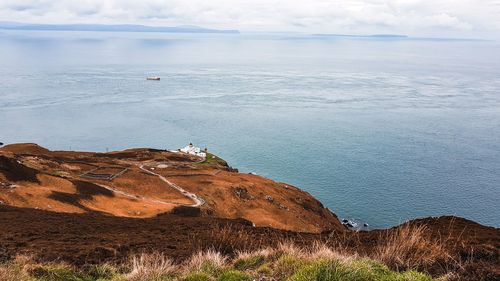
point(379, 129)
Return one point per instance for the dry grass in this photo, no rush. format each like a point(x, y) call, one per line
point(7, 273)
point(150, 267)
point(412, 246)
point(209, 261)
point(16, 270)
point(265, 252)
point(409, 246)
point(229, 239)
point(323, 251)
point(405, 249)
point(291, 249)
point(450, 276)
point(285, 262)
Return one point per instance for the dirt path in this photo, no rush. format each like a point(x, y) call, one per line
point(198, 201)
point(128, 195)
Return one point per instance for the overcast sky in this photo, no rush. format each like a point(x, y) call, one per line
point(445, 18)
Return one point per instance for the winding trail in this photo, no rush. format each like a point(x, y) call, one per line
point(198, 201)
point(128, 195)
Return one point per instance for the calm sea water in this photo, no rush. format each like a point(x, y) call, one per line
point(379, 130)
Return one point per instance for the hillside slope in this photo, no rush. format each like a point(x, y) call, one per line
point(433, 245)
point(143, 183)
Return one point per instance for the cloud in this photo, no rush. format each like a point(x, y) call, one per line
point(359, 16)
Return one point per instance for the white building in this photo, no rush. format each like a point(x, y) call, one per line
point(193, 150)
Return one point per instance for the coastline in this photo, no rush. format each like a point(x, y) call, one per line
point(33, 149)
point(104, 207)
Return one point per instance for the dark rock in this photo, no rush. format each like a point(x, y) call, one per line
point(242, 193)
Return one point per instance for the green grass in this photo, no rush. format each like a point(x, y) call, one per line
point(252, 262)
point(103, 272)
point(213, 160)
point(358, 270)
point(318, 271)
point(412, 275)
point(234, 275)
point(55, 273)
point(265, 269)
point(212, 266)
point(196, 276)
point(286, 265)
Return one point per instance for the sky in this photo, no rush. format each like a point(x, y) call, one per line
point(435, 18)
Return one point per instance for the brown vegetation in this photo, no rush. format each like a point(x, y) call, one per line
point(93, 238)
point(114, 183)
point(49, 212)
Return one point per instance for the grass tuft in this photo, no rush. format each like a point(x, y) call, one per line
point(286, 265)
point(249, 262)
point(413, 275)
point(234, 275)
point(151, 267)
point(196, 276)
point(9, 272)
point(411, 247)
point(58, 273)
point(103, 272)
point(210, 262)
point(286, 262)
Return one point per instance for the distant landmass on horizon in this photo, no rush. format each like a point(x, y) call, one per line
point(369, 36)
point(112, 27)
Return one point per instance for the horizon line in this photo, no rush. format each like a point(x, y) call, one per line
point(187, 28)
